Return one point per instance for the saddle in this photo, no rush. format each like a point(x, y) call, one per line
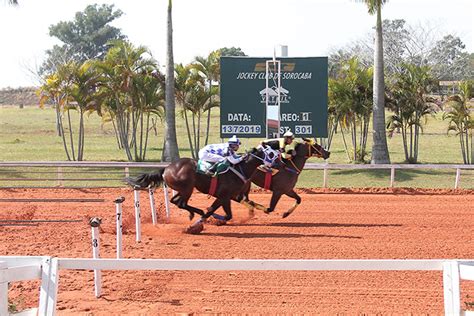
point(214, 169)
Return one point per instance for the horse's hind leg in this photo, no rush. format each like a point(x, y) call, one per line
point(181, 200)
point(294, 195)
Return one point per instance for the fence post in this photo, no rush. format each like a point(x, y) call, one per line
point(127, 172)
point(452, 305)
point(60, 176)
point(3, 291)
point(458, 178)
point(49, 286)
point(392, 176)
point(325, 177)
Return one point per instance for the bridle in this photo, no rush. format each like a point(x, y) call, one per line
point(318, 154)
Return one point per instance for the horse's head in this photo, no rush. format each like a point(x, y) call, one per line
point(314, 149)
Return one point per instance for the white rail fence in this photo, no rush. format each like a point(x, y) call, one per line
point(126, 166)
point(47, 269)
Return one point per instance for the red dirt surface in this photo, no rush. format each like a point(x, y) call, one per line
point(329, 224)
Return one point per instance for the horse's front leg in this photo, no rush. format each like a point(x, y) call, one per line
point(273, 202)
point(294, 195)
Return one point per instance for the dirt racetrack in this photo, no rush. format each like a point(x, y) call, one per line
point(330, 224)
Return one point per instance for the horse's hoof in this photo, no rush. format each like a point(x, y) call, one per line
point(220, 222)
point(191, 216)
point(286, 214)
point(195, 229)
point(267, 211)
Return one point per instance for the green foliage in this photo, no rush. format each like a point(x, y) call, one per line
point(84, 38)
point(230, 51)
point(410, 103)
point(350, 107)
point(460, 119)
point(449, 59)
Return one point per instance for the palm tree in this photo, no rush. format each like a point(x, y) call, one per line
point(411, 103)
point(380, 153)
point(461, 120)
point(209, 68)
point(170, 150)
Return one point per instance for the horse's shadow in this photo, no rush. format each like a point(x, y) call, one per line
point(309, 225)
point(276, 235)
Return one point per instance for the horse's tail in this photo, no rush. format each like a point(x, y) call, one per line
point(146, 180)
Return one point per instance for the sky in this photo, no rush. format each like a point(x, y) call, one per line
point(307, 27)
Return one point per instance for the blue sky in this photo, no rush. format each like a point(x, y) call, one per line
point(308, 27)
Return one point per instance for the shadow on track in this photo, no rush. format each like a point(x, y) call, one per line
point(276, 235)
point(309, 225)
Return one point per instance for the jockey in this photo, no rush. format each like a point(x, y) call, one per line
point(219, 154)
point(280, 144)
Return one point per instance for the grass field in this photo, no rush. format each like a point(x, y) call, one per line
point(28, 134)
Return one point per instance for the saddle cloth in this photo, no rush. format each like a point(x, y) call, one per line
point(204, 166)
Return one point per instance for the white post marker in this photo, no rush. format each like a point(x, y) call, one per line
point(151, 191)
point(3, 290)
point(167, 203)
point(136, 195)
point(95, 223)
point(118, 208)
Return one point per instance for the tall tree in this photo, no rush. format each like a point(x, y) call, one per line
point(170, 150)
point(380, 153)
point(84, 38)
point(450, 60)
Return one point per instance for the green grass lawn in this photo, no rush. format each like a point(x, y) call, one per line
point(29, 134)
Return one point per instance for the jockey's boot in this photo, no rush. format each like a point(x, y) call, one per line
point(211, 171)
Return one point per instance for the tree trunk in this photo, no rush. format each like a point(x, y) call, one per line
point(404, 139)
point(63, 136)
point(71, 136)
point(209, 113)
point(170, 152)
point(191, 147)
point(119, 145)
point(345, 144)
point(380, 153)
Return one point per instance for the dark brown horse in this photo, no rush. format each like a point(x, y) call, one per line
point(285, 180)
point(182, 176)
